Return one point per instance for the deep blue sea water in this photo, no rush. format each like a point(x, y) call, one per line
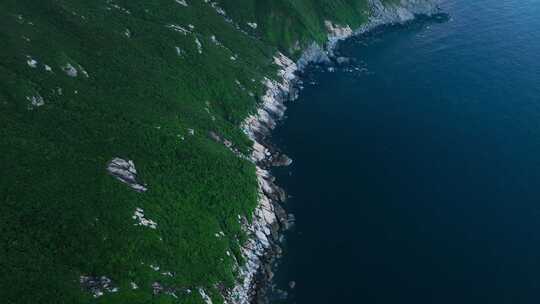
point(417, 178)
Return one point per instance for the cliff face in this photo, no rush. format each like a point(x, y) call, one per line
point(130, 170)
point(269, 217)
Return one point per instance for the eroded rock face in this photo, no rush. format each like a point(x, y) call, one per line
point(262, 244)
point(313, 54)
point(272, 108)
point(70, 70)
point(124, 171)
point(403, 12)
point(141, 220)
point(205, 296)
point(337, 33)
point(182, 2)
point(281, 160)
point(269, 217)
point(35, 101)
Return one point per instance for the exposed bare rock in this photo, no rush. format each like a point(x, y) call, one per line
point(205, 296)
point(272, 107)
point(199, 45)
point(182, 2)
point(31, 62)
point(262, 245)
point(35, 101)
point(398, 13)
point(337, 32)
point(314, 53)
point(142, 220)
point(70, 70)
point(157, 288)
point(179, 29)
point(124, 171)
point(281, 160)
point(97, 286)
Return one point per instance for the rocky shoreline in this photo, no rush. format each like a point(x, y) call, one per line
point(270, 219)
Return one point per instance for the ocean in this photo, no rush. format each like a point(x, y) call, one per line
point(416, 174)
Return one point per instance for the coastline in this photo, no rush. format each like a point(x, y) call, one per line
point(269, 218)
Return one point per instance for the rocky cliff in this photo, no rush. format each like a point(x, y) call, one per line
point(270, 219)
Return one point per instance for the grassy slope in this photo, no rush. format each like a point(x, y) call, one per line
point(61, 215)
point(291, 24)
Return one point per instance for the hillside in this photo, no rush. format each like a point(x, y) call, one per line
point(86, 87)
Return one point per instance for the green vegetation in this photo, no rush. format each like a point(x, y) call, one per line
point(291, 24)
point(61, 214)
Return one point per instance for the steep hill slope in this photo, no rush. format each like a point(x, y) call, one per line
point(91, 85)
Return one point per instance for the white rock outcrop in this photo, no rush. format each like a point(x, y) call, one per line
point(124, 171)
point(182, 2)
point(205, 296)
point(400, 13)
point(265, 218)
point(179, 29)
point(199, 45)
point(142, 220)
point(97, 286)
point(70, 70)
point(35, 101)
point(337, 32)
point(31, 62)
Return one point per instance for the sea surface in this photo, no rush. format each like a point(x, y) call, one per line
point(416, 174)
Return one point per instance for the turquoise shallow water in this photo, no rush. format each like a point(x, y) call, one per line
point(417, 178)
